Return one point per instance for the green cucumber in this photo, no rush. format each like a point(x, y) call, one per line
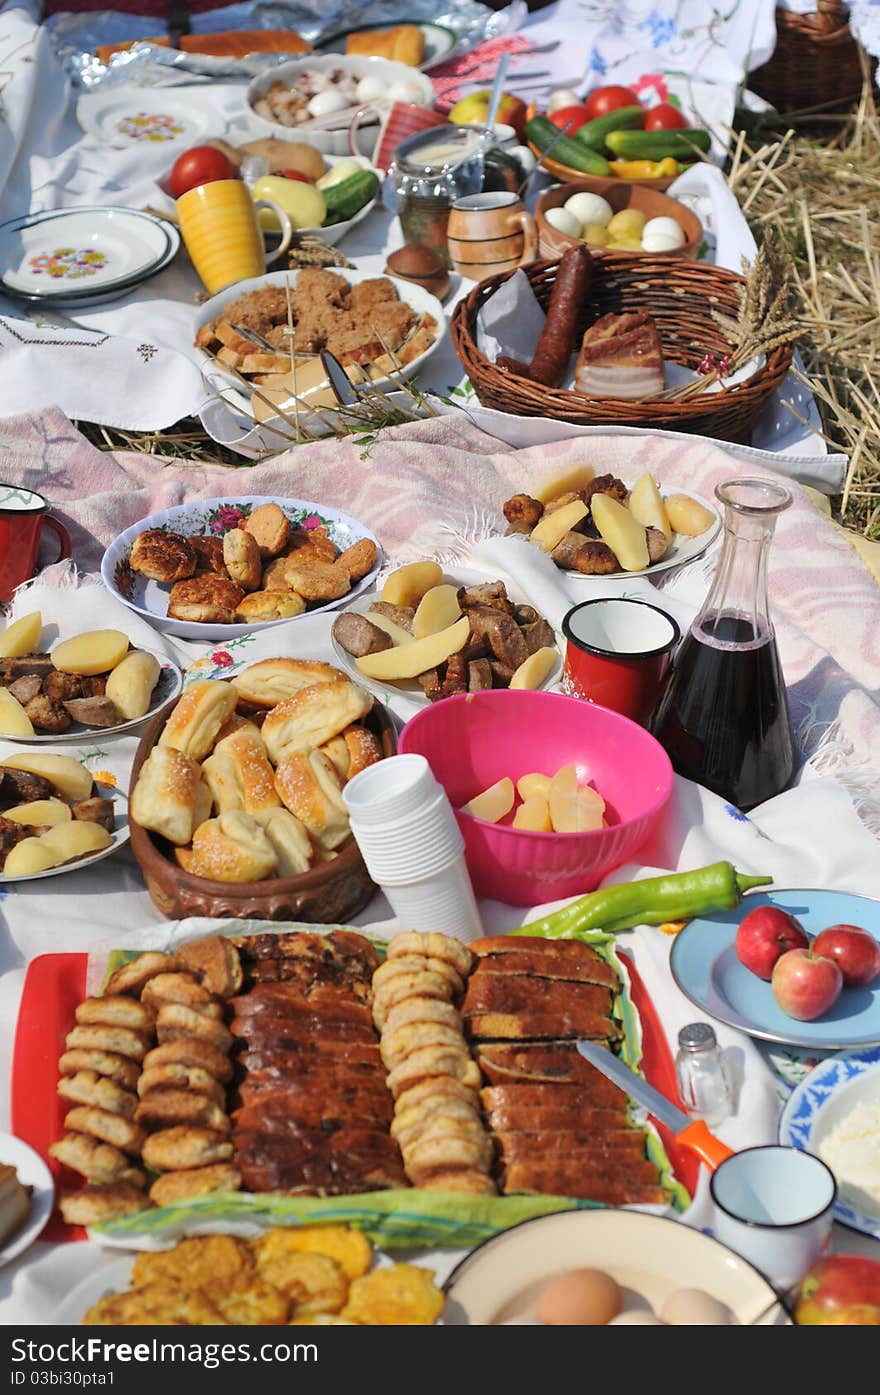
point(345, 199)
point(574, 154)
point(658, 145)
point(593, 134)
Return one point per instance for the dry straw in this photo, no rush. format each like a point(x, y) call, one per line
point(821, 199)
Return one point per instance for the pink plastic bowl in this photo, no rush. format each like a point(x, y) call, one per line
point(473, 740)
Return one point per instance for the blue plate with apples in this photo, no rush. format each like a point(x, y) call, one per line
point(708, 970)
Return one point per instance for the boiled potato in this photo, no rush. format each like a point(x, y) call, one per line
point(438, 609)
point(553, 526)
point(409, 660)
point(530, 786)
point(408, 584)
point(595, 235)
point(647, 507)
point(71, 780)
point(14, 721)
point(621, 531)
point(493, 803)
point(574, 808)
point(22, 637)
point(130, 685)
point(30, 855)
point(569, 482)
point(75, 839)
point(687, 516)
point(534, 814)
point(628, 223)
point(533, 670)
point(88, 654)
point(394, 632)
point(40, 812)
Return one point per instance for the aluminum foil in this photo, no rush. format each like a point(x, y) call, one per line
point(76, 36)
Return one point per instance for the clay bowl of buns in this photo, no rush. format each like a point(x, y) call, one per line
point(629, 211)
point(236, 807)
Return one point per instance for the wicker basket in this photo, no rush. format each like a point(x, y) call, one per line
point(816, 63)
point(680, 295)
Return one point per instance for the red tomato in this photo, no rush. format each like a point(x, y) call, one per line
point(201, 165)
point(578, 116)
point(604, 99)
point(296, 174)
point(665, 117)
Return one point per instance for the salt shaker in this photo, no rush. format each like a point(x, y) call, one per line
point(704, 1084)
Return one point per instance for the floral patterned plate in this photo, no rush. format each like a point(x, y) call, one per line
point(168, 686)
point(831, 1090)
point(148, 119)
point(77, 252)
point(216, 517)
point(110, 765)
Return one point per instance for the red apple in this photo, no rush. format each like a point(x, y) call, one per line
point(853, 949)
point(764, 935)
point(804, 985)
point(843, 1290)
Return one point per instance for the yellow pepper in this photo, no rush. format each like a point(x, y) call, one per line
point(645, 169)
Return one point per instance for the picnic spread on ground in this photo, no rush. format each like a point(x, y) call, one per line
point(439, 734)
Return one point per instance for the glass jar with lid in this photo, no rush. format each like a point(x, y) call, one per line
point(430, 171)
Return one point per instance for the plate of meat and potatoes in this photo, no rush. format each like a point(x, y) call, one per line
point(60, 810)
point(428, 634)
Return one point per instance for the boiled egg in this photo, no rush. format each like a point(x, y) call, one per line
point(562, 97)
point(323, 103)
point(370, 88)
point(580, 1298)
point(404, 91)
point(662, 235)
point(692, 1307)
point(564, 221)
point(589, 208)
point(637, 1317)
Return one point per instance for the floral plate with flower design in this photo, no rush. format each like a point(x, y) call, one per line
point(215, 517)
point(74, 253)
point(824, 1097)
point(146, 119)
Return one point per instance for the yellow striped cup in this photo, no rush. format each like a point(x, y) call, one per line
point(219, 225)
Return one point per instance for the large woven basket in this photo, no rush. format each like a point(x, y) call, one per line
point(816, 63)
point(680, 296)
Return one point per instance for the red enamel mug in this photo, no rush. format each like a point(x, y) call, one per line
point(618, 653)
point(22, 515)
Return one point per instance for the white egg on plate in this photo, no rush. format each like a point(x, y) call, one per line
point(659, 242)
point(324, 103)
point(637, 1317)
point(562, 97)
point(665, 228)
point(692, 1307)
point(564, 221)
point(589, 208)
point(404, 91)
point(371, 88)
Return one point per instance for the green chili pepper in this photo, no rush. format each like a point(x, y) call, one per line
point(678, 896)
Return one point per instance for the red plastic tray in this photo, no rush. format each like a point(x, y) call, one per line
point(55, 983)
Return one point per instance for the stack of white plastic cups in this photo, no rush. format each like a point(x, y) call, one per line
point(411, 843)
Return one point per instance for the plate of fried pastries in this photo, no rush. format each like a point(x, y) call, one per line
point(217, 569)
point(60, 811)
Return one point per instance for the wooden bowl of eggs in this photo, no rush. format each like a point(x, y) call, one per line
point(188, 812)
point(621, 217)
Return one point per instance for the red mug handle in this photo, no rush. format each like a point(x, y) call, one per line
point(64, 543)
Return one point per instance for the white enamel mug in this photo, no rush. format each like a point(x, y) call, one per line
point(773, 1205)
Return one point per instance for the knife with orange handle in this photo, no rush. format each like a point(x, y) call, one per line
point(690, 1133)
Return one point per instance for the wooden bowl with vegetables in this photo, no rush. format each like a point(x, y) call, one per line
point(617, 215)
point(622, 143)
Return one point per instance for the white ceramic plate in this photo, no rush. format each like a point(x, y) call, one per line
point(824, 1097)
point(649, 1256)
point(409, 688)
point(68, 253)
point(33, 1173)
point(440, 42)
point(421, 301)
point(118, 767)
point(216, 516)
point(682, 549)
point(168, 686)
point(147, 118)
point(85, 300)
point(334, 141)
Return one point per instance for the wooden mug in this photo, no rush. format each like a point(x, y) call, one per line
point(22, 515)
point(490, 233)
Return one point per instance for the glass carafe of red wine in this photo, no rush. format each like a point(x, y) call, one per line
point(723, 718)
